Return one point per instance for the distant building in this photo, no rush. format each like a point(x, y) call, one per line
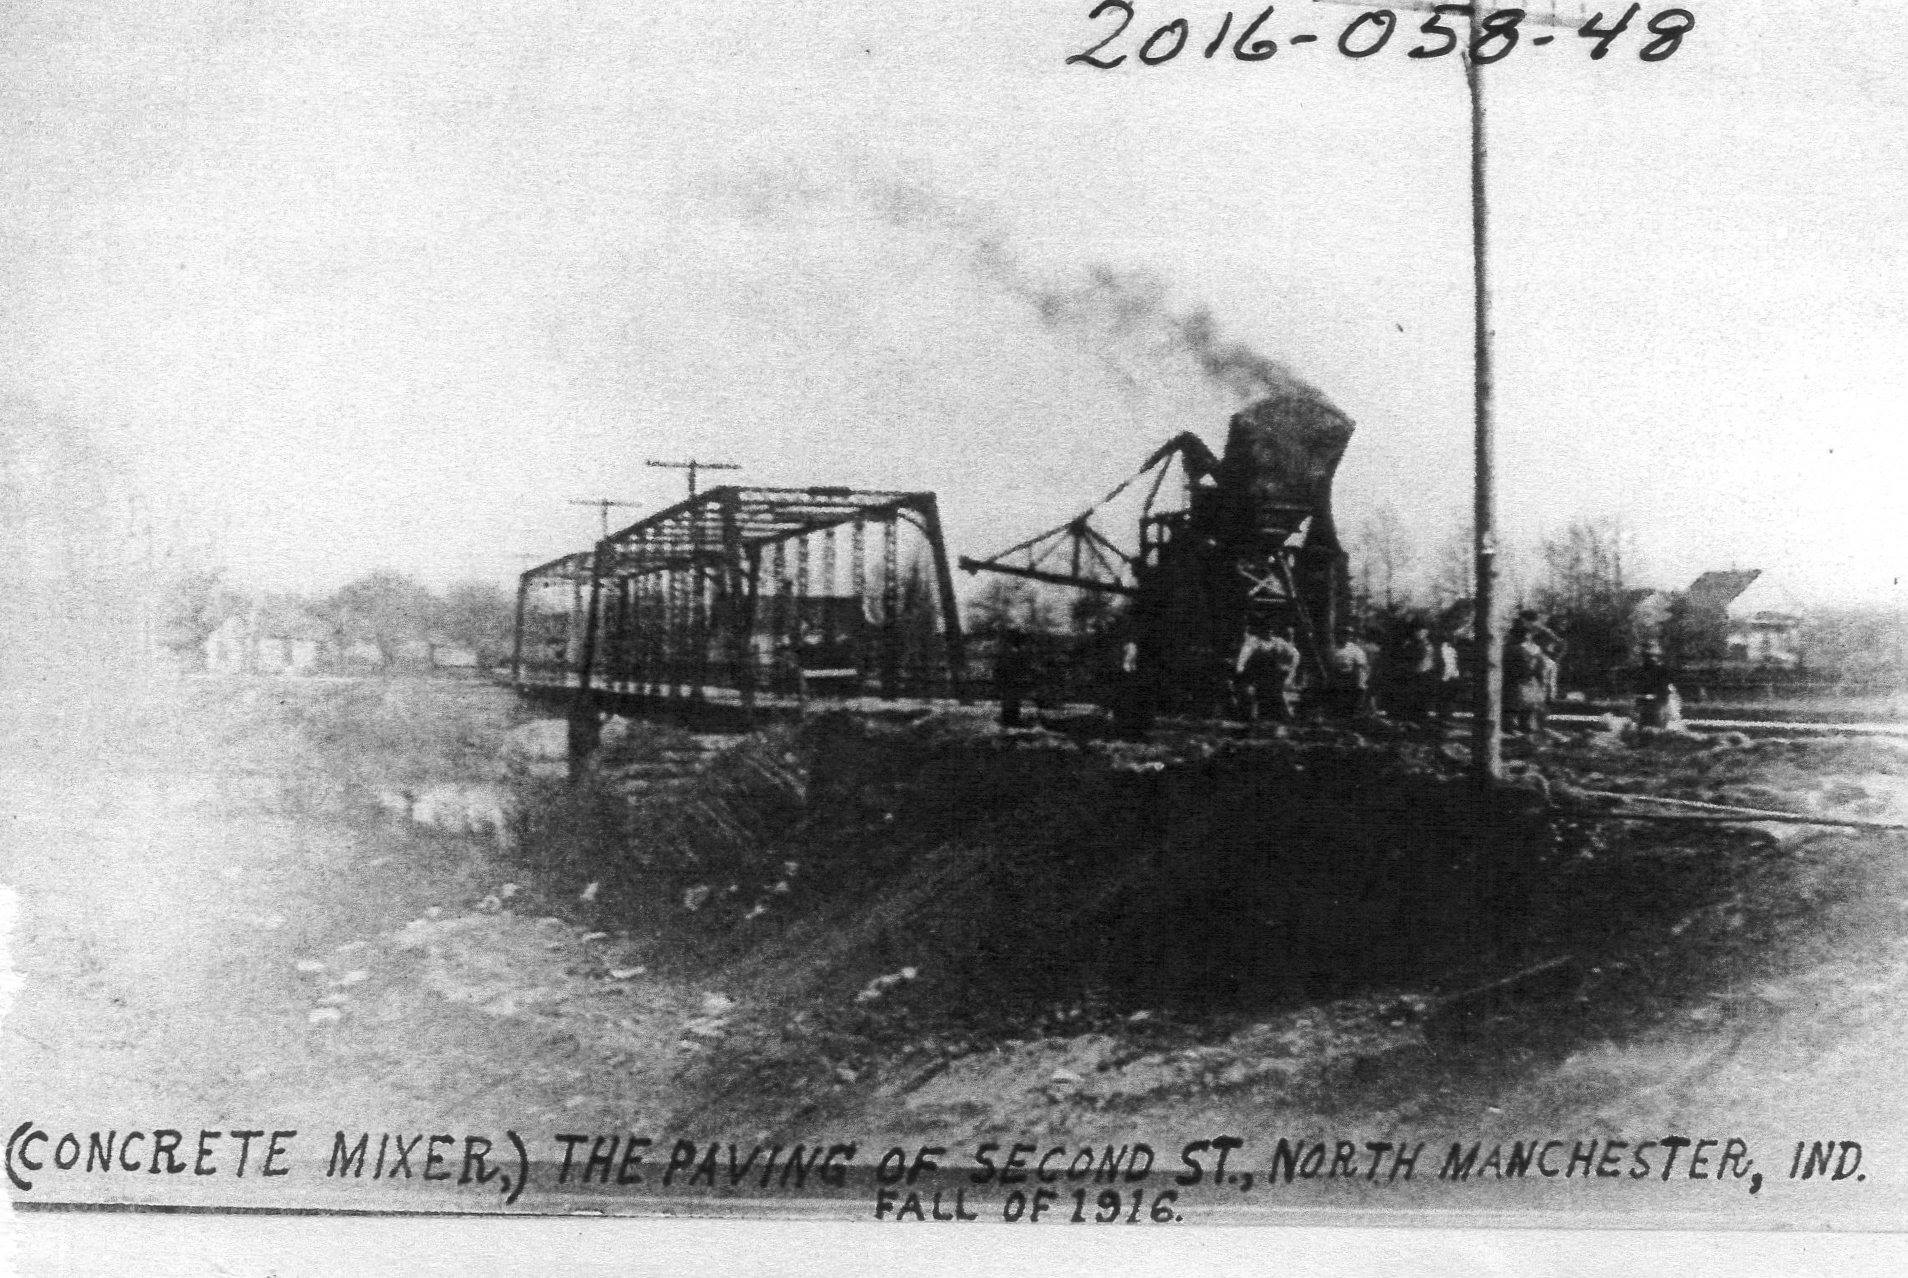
point(1756, 620)
point(270, 639)
point(228, 649)
point(281, 638)
point(411, 654)
point(361, 654)
point(447, 654)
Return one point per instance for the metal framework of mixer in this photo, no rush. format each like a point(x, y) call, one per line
point(1252, 541)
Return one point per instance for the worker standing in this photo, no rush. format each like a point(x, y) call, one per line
point(1549, 670)
point(1420, 671)
point(1450, 678)
point(1552, 645)
point(1013, 675)
point(1283, 659)
point(1348, 674)
point(1656, 701)
point(1534, 625)
point(1132, 693)
point(1267, 662)
point(1526, 680)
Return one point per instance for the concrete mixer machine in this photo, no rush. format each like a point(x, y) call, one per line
point(1252, 541)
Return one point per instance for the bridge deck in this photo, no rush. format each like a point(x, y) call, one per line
point(636, 696)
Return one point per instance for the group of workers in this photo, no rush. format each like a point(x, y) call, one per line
point(1417, 678)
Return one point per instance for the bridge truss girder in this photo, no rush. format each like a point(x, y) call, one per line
point(673, 602)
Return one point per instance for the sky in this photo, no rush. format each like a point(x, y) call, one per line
point(339, 286)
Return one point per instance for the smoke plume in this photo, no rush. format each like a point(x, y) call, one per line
point(1126, 319)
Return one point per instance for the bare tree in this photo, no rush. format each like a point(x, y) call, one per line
point(479, 615)
point(1454, 568)
point(385, 607)
point(1583, 567)
point(1009, 602)
point(1092, 613)
point(1583, 589)
point(197, 600)
point(1384, 552)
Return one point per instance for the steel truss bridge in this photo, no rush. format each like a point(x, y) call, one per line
point(745, 592)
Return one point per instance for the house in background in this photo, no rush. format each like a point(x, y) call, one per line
point(283, 636)
point(1745, 614)
point(228, 649)
point(270, 639)
point(448, 654)
point(359, 654)
point(435, 652)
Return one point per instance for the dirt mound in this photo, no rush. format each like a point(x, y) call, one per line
point(1009, 913)
point(1015, 873)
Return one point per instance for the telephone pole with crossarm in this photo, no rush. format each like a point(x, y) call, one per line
point(693, 466)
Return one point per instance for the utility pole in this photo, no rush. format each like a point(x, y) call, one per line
point(602, 504)
point(1487, 697)
point(692, 466)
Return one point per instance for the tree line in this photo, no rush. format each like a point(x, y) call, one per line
point(386, 609)
point(1583, 579)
